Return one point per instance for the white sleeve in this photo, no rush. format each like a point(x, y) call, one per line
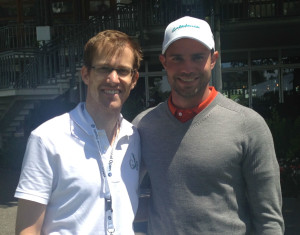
point(36, 177)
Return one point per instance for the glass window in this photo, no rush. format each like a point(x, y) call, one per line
point(265, 90)
point(288, 81)
point(291, 8)
point(291, 81)
point(99, 6)
point(262, 57)
point(8, 8)
point(62, 7)
point(291, 56)
point(291, 91)
point(234, 60)
point(232, 9)
point(235, 86)
point(124, 1)
point(263, 8)
point(29, 10)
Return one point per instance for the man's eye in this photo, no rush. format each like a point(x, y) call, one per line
point(198, 58)
point(104, 70)
point(123, 71)
point(177, 59)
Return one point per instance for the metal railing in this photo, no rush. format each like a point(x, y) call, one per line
point(61, 58)
point(17, 36)
point(20, 37)
point(12, 65)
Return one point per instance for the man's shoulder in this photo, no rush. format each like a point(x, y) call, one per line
point(247, 115)
point(233, 105)
point(149, 113)
point(53, 125)
point(128, 127)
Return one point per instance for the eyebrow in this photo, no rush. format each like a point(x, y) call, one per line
point(195, 54)
point(108, 65)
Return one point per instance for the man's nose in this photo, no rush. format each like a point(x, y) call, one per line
point(113, 77)
point(187, 67)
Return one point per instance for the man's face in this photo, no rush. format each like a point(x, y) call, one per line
point(108, 89)
point(188, 64)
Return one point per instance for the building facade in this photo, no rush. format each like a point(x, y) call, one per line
point(41, 45)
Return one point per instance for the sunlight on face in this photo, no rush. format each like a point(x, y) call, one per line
point(110, 90)
point(188, 64)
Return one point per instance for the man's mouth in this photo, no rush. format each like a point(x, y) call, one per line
point(187, 79)
point(111, 92)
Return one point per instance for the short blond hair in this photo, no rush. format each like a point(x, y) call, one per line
point(109, 43)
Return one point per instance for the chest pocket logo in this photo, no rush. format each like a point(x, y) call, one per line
point(134, 164)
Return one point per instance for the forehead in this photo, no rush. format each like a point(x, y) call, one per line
point(123, 56)
point(187, 46)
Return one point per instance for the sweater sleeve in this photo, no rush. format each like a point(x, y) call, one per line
point(262, 176)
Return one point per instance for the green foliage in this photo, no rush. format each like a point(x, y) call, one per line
point(286, 135)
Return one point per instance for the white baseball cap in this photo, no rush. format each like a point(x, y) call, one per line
point(188, 27)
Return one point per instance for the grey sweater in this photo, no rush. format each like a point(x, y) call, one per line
point(215, 174)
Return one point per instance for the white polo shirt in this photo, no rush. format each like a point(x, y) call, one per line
point(61, 169)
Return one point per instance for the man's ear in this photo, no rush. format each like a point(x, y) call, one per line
point(135, 78)
point(162, 60)
point(214, 58)
point(85, 75)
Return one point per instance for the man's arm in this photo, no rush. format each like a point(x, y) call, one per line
point(144, 187)
point(30, 217)
point(144, 197)
point(262, 176)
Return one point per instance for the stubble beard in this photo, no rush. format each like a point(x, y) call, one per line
point(191, 92)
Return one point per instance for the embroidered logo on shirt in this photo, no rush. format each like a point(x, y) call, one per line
point(134, 164)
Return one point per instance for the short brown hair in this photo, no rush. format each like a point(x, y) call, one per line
point(108, 43)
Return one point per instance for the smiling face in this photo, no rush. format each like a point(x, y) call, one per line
point(188, 64)
point(109, 91)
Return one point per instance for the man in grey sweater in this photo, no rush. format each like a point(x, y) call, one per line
point(211, 161)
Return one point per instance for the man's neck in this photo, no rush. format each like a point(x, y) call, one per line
point(106, 120)
point(189, 102)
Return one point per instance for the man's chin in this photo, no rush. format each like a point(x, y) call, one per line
point(187, 93)
point(114, 107)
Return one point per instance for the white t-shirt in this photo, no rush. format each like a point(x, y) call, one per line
point(61, 169)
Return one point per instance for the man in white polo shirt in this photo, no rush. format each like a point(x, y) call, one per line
point(80, 169)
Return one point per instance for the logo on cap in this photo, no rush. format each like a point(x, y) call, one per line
point(185, 26)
